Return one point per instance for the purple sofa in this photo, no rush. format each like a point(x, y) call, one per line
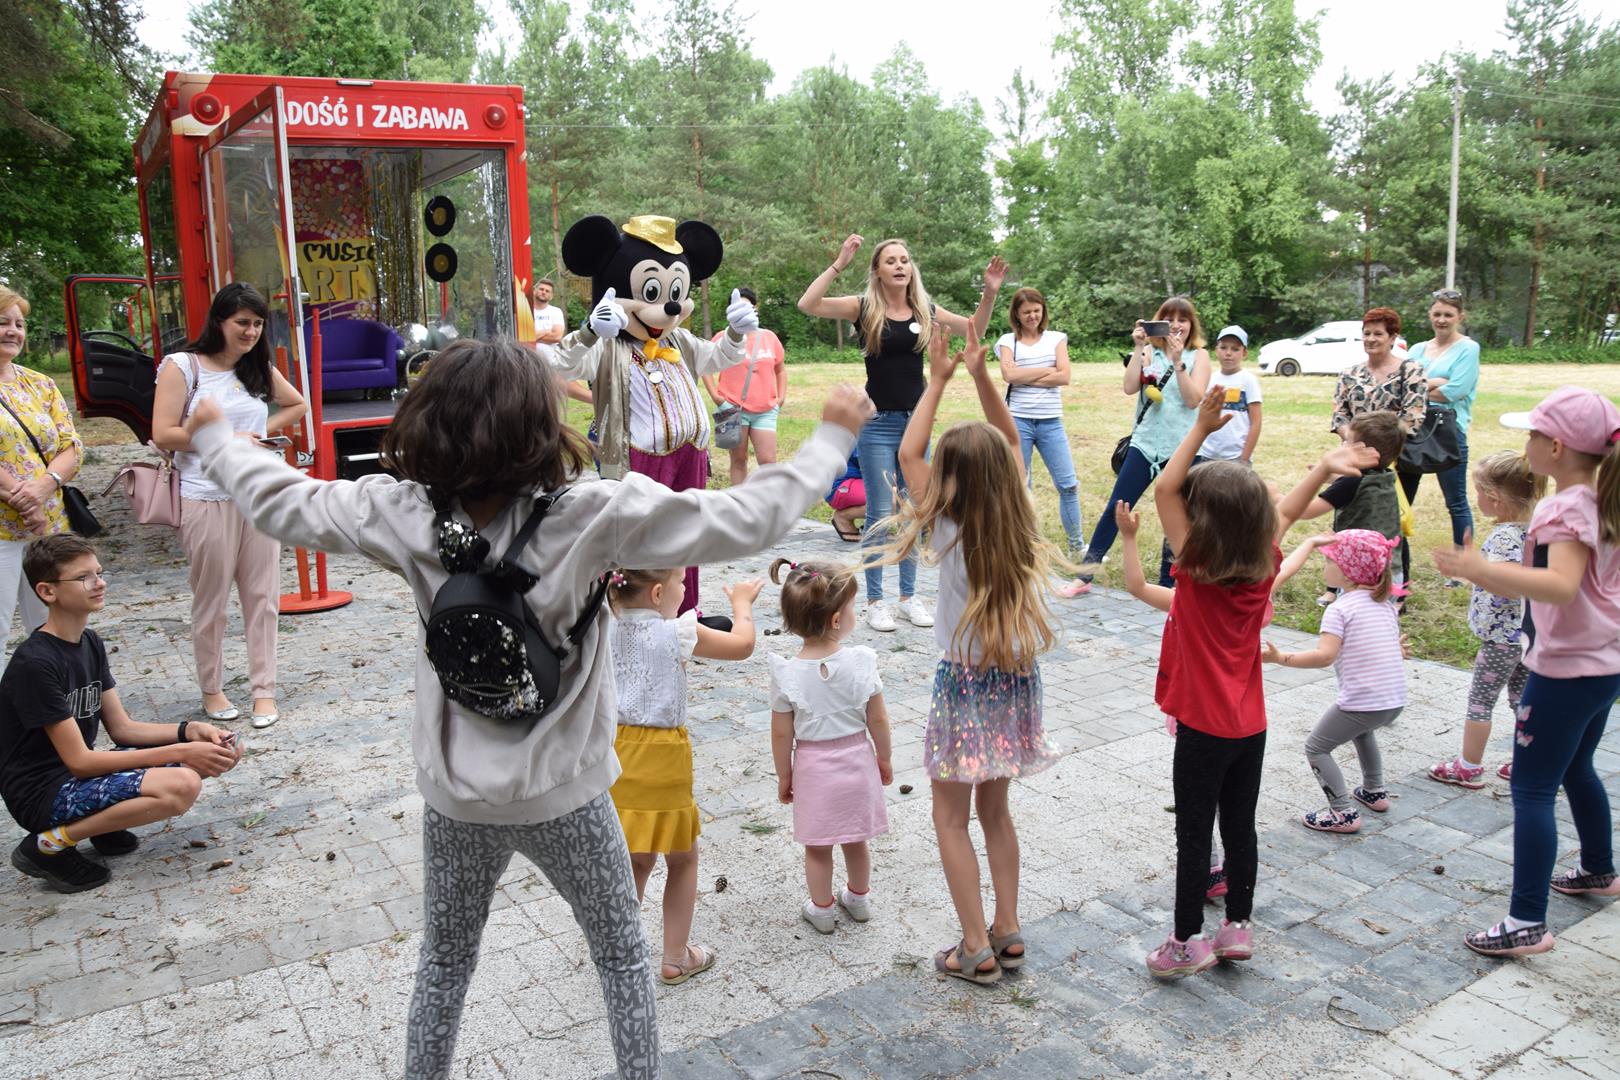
point(357, 354)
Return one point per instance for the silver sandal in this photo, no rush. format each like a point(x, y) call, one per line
point(968, 970)
point(1009, 961)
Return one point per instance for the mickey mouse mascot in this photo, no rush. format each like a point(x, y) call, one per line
point(643, 367)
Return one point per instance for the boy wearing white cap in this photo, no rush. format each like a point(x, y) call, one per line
point(1235, 440)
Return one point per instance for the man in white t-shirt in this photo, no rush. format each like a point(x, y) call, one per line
point(550, 324)
point(1235, 440)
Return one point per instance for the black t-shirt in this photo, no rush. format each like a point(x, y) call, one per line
point(894, 374)
point(1339, 493)
point(48, 680)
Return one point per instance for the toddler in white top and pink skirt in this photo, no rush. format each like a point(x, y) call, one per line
point(825, 702)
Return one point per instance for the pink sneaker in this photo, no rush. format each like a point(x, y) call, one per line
point(1217, 884)
point(1331, 820)
point(1234, 941)
point(1377, 801)
point(1175, 958)
point(1506, 771)
point(1455, 772)
point(1073, 589)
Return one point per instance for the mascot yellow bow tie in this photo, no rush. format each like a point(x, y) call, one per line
point(652, 350)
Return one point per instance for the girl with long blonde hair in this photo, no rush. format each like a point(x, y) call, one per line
point(896, 321)
point(970, 513)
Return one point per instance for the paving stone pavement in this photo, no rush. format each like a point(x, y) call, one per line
point(296, 959)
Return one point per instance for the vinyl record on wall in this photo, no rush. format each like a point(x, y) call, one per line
point(441, 262)
point(439, 215)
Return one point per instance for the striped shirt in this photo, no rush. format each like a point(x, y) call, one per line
point(1371, 670)
point(1034, 402)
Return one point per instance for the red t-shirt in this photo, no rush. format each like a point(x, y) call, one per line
point(1209, 660)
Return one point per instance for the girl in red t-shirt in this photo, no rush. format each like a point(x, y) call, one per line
point(1220, 519)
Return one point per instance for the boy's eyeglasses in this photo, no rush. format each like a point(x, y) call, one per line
point(1450, 296)
point(83, 579)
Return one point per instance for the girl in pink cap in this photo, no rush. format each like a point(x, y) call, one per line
point(1571, 580)
point(1361, 638)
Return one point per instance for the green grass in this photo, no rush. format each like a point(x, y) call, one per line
point(1294, 433)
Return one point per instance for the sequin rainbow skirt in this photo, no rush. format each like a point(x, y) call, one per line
point(985, 724)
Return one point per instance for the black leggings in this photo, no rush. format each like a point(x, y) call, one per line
point(1211, 773)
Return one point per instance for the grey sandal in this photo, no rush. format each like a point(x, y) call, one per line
point(968, 970)
point(1010, 961)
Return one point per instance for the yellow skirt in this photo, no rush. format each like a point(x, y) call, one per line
point(653, 794)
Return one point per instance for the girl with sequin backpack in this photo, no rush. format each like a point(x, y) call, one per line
point(483, 433)
point(653, 796)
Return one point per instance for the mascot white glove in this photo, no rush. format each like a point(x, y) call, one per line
point(608, 318)
point(742, 316)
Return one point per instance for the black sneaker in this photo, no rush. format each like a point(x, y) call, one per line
point(121, 842)
point(67, 871)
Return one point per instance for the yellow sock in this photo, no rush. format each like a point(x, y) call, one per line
point(54, 840)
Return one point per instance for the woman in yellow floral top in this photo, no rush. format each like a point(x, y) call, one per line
point(30, 489)
point(1383, 381)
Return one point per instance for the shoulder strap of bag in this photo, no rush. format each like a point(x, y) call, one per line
point(1405, 507)
point(748, 379)
point(191, 392)
point(542, 506)
point(25, 431)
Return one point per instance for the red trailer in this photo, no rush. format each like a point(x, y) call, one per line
point(380, 219)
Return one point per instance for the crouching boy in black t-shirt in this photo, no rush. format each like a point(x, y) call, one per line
point(56, 692)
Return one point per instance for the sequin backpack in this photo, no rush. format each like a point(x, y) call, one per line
point(482, 639)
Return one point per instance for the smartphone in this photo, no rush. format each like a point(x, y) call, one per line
point(275, 442)
point(1156, 329)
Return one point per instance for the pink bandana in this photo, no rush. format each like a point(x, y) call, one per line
point(1361, 553)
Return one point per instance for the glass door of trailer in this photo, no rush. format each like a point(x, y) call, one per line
point(250, 222)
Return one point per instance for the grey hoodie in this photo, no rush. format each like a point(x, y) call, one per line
point(469, 767)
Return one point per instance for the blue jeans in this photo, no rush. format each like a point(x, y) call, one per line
point(1561, 722)
point(1454, 486)
point(1046, 434)
point(1135, 475)
point(879, 448)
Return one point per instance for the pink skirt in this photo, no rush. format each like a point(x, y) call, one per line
point(837, 793)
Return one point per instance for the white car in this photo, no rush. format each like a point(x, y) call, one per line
point(1327, 350)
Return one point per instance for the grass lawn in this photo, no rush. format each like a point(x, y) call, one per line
point(1293, 436)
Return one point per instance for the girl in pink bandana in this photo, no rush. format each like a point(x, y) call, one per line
point(1361, 638)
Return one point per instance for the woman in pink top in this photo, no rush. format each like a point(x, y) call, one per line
point(1571, 580)
point(758, 387)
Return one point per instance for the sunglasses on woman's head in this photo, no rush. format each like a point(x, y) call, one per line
point(1450, 296)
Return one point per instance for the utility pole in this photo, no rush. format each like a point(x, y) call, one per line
point(1456, 152)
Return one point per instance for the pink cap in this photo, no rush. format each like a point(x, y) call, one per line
point(1580, 419)
point(1361, 553)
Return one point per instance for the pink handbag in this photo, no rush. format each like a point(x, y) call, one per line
point(153, 491)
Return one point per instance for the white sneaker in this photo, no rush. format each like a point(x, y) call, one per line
point(858, 907)
point(879, 618)
point(822, 918)
point(917, 612)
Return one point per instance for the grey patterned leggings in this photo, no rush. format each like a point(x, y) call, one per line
point(1496, 665)
point(583, 855)
point(1336, 728)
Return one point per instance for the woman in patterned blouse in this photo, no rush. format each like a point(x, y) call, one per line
point(1384, 381)
point(30, 488)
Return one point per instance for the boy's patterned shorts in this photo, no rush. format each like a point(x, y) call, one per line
point(80, 798)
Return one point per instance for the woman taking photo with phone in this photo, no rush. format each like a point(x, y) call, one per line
point(1170, 372)
point(229, 363)
point(895, 320)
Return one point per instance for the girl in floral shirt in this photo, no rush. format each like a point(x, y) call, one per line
point(1507, 492)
